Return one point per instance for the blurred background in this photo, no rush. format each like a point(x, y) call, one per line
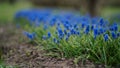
point(109, 9)
point(104, 8)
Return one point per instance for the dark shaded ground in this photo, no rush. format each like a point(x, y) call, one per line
point(18, 52)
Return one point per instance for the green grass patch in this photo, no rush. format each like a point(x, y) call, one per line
point(7, 11)
point(108, 11)
point(83, 46)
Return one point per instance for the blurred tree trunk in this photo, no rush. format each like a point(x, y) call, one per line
point(11, 1)
point(95, 7)
point(92, 7)
point(87, 6)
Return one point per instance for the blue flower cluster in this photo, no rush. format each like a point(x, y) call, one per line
point(68, 24)
point(31, 36)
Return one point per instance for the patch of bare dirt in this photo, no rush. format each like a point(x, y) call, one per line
point(19, 53)
point(29, 56)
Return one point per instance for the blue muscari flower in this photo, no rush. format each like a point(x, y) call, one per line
point(92, 27)
point(76, 28)
point(78, 33)
point(61, 36)
point(75, 32)
point(70, 26)
point(67, 26)
point(31, 36)
point(60, 31)
point(68, 34)
point(52, 21)
point(55, 40)
point(113, 35)
point(72, 31)
point(65, 31)
point(87, 30)
point(101, 22)
point(106, 37)
point(118, 34)
point(58, 28)
point(75, 25)
point(58, 24)
point(99, 33)
point(95, 31)
point(101, 30)
point(83, 25)
point(49, 34)
point(115, 27)
point(44, 37)
point(111, 28)
point(66, 38)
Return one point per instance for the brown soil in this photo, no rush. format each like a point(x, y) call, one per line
point(18, 52)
